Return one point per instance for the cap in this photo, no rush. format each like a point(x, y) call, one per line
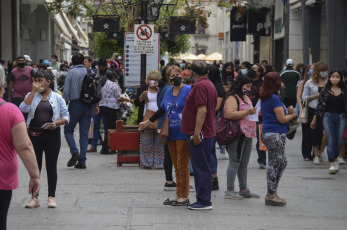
point(27, 58)
point(46, 62)
point(289, 62)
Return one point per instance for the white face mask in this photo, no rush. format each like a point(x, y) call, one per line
point(152, 83)
point(324, 74)
point(41, 89)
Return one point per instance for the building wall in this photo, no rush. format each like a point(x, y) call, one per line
point(295, 37)
point(7, 41)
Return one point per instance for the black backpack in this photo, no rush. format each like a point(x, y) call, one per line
point(91, 88)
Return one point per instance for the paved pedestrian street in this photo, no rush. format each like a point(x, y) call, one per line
point(105, 197)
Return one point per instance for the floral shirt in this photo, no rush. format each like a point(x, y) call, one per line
point(110, 93)
point(248, 127)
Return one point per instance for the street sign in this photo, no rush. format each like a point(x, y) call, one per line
point(105, 24)
point(116, 35)
point(144, 39)
point(182, 25)
point(238, 22)
point(132, 60)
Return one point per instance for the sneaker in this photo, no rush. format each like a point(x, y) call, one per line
point(337, 165)
point(51, 203)
point(223, 156)
point(307, 159)
point(107, 151)
point(215, 184)
point(222, 149)
point(80, 166)
point(170, 187)
point(248, 194)
point(262, 166)
point(92, 149)
point(332, 170)
point(316, 161)
point(33, 203)
point(198, 206)
point(341, 161)
point(231, 194)
point(323, 156)
point(191, 188)
point(73, 160)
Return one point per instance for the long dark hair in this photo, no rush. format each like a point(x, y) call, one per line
point(236, 87)
point(271, 85)
point(224, 72)
point(341, 84)
point(214, 74)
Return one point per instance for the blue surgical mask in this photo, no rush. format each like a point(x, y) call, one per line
point(244, 71)
point(52, 60)
point(310, 72)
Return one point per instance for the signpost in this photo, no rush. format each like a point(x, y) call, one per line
point(144, 42)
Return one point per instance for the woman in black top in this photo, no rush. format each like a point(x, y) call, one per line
point(331, 107)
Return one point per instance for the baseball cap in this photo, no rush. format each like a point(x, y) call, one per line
point(46, 62)
point(27, 58)
point(289, 62)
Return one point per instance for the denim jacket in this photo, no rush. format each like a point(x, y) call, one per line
point(58, 104)
point(322, 101)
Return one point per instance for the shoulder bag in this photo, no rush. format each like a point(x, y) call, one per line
point(165, 127)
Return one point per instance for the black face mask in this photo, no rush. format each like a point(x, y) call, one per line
point(21, 65)
point(102, 72)
point(229, 73)
point(176, 81)
point(252, 74)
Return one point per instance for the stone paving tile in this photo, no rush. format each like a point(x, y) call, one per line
point(108, 197)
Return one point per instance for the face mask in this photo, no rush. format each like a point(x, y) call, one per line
point(53, 60)
point(310, 72)
point(229, 73)
point(152, 83)
point(35, 69)
point(324, 74)
point(176, 81)
point(244, 71)
point(102, 72)
point(230, 79)
point(41, 89)
point(188, 68)
point(245, 92)
point(21, 65)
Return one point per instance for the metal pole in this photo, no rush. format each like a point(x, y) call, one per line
point(143, 56)
point(305, 32)
point(286, 35)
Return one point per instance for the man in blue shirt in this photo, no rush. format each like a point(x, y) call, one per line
point(80, 112)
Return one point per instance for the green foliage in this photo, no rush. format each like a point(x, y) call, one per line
point(181, 44)
point(132, 120)
point(106, 48)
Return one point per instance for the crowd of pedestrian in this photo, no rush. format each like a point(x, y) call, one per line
point(187, 100)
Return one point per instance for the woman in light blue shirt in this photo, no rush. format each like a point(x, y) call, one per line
point(46, 110)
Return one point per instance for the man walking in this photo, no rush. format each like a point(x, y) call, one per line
point(80, 112)
point(198, 122)
point(290, 79)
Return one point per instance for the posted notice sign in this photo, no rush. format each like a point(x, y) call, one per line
point(144, 39)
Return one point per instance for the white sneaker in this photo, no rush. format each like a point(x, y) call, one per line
point(341, 161)
point(33, 203)
point(337, 165)
point(316, 161)
point(332, 170)
point(52, 203)
point(323, 156)
point(223, 156)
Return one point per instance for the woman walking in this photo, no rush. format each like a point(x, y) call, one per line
point(311, 92)
point(151, 153)
point(275, 126)
point(174, 101)
point(46, 110)
point(331, 108)
point(237, 107)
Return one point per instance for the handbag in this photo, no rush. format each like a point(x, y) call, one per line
point(303, 115)
point(293, 125)
point(227, 130)
point(165, 127)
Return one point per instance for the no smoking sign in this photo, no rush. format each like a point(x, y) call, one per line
point(143, 40)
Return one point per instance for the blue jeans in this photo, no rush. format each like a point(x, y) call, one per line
point(80, 113)
point(334, 125)
point(214, 161)
point(201, 162)
point(96, 133)
point(261, 154)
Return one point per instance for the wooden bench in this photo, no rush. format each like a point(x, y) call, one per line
point(125, 139)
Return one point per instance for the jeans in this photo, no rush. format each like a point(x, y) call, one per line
point(80, 113)
point(261, 154)
point(110, 116)
point(180, 158)
point(96, 133)
point(201, 162)
point(239, 153)
point(334, 125)
point(50, 143)
point(214, 161)
point(5, 200)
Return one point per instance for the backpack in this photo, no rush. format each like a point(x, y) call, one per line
point(227, 130)
point(91, 88)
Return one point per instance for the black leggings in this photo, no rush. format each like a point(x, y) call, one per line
point(111, 118)
point(167, 164)
point(49, 141)
point(5, 200)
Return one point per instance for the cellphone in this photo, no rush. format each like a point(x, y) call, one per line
point(46, 125)
point(201, 136)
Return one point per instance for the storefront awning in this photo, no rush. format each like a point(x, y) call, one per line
point(60, 23)
point(70, 27)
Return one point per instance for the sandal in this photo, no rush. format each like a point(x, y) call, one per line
point(168, 201)
point(270, 202)
point(180, 203)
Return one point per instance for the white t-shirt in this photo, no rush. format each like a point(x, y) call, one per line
point(152, 102)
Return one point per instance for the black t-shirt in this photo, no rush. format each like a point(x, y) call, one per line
point(335, 104)
point(254, 96)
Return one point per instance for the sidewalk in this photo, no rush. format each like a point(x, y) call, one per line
point(108, 197)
